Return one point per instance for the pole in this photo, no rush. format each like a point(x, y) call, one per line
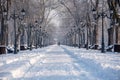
point(87, 32)
point(15, 42)
point(30, 37)
point(102, 43)
point(79, 37)
point(75, 40)
point(87, 38)
point(36, 39)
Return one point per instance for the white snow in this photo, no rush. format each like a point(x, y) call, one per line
point(60, 63)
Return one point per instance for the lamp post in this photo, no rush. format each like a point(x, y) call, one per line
point(79, 37)
point(71, 38)
point(30, 36)
point(103, 15)
point(40, 37)
point(36, 37)
point(102, 43)
point(87, 43)
point(15, 16)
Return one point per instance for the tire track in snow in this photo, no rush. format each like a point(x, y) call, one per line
point(80, 65)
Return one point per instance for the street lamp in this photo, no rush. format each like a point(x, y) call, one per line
point(40, 37)
point(5, 12)
point(72, 37)
point(79, 37)
point(36, 23)
point(103, 15)
point(15, 16)
point(23, 12)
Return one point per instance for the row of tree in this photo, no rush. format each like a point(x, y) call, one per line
point(85, 24)
point(80, 23)
point(30, 30)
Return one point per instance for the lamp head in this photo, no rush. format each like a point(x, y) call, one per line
point(94, 11)
point(36, 22)
point(5, 12)
point(23, 12)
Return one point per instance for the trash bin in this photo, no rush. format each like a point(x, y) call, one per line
point(117, 48)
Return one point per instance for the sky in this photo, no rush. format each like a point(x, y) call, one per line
point(55, 20)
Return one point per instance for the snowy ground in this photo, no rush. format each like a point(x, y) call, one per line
point(60, 63)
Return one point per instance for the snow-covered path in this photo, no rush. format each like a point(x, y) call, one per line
point(56, 64)
point(61, 63)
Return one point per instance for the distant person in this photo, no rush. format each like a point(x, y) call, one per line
point(59, 43)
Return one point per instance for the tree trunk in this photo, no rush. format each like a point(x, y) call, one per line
point(2, 39)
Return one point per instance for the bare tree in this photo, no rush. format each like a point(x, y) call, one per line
point(4, 7)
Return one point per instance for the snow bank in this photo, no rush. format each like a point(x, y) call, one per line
point(16, 65)
point(60, 63)
point(106, 66)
